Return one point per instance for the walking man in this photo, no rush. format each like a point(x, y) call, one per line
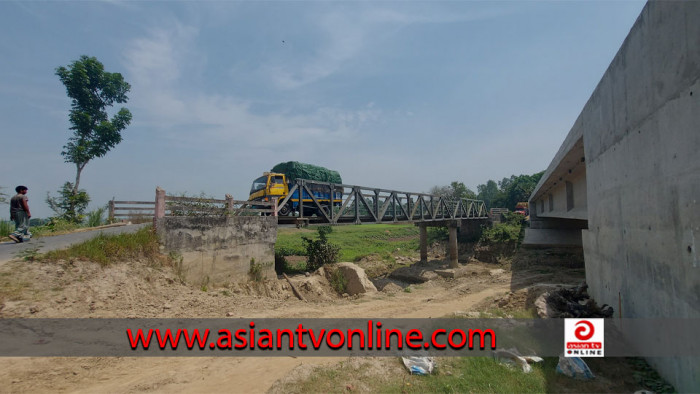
point(19, 212)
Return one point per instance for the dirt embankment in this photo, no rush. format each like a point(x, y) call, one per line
point(133, 289)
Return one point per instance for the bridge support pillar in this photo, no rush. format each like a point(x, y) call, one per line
point(423, 243)
point(454, 263)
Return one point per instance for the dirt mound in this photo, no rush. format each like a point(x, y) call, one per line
point(314, 286)
point(128, 289)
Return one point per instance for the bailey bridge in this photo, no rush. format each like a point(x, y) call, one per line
point(354, 204)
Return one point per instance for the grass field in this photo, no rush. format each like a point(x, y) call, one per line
point(356, 242)
point(479, 375)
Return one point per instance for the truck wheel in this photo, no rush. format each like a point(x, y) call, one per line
point(284, 211)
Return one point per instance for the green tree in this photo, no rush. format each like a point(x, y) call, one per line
point(518, 188)
point(489, 193)
point(92, 91)
point(459, 191)
point(455, 190)
point(509, 191)
point(69, 205)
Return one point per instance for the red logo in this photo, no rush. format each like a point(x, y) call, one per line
point(584, 337)
point(584, 332)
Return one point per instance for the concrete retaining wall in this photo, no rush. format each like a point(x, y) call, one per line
point(217, 251)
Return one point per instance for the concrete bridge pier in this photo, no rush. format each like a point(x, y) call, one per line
point(423, 243)
point(452, 226)
point(454, 254)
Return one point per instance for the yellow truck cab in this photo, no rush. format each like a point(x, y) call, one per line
point(274, 185)
point(268, 186)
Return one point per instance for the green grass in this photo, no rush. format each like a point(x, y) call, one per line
point(478, 375)
point(107, 249)
point(6, 227)
point(355, 242)
point(452, 375)
point(482, 375)
point(54, 226)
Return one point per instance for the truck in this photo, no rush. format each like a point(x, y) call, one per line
point(281, 179)
point(523, 209)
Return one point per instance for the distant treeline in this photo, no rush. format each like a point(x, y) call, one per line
point(505, 193)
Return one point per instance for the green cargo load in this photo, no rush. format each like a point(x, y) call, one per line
point(294, 170)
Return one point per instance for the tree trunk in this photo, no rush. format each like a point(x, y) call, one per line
point(80, 167)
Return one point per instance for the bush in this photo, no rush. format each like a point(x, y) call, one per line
point(320, 252)
point(69, 206)
point(509, 231)
point(94, 218)
point(501, 233)
point(256, 273)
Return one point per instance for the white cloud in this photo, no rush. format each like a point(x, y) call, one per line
point(350, 32)
point(158, 63)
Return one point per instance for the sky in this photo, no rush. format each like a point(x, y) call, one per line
point(400, 95)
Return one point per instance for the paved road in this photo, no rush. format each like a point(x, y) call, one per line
point(9, 250)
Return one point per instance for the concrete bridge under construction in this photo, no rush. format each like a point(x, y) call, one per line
point(625, 183)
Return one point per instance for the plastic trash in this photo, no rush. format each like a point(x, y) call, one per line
point(419, 365)
point(574, 367)
point(513, 357)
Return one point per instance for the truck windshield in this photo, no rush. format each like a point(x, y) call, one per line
point(258, 184)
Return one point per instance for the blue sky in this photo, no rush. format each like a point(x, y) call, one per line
point(398, 95)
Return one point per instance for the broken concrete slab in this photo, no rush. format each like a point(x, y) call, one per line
point(413, 274)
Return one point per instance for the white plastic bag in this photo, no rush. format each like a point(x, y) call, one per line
point(419, 365)
point(513, 357)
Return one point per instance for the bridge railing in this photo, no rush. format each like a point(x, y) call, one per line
point(359, 204)
point(164, 205)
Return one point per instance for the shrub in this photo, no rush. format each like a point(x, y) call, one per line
point(94, 218)
point(256, 271)
point(508, 232)
point(68, 205)
point(320, 252)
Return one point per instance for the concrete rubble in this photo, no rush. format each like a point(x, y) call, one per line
point(358, 282)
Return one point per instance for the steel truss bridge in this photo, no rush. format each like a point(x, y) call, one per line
point(359, 204)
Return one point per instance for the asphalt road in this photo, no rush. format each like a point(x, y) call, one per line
point(11, 250)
